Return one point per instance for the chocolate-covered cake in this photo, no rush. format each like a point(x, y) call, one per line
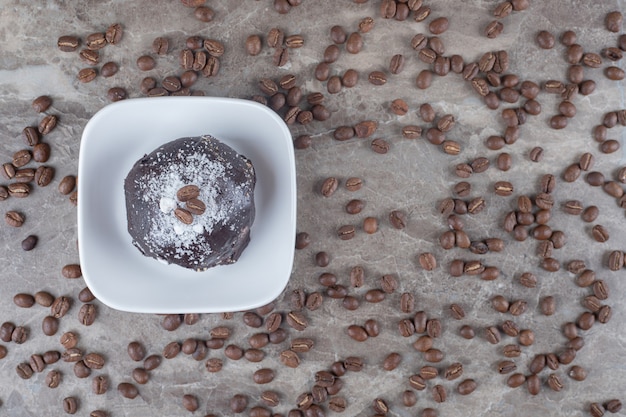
point(190, 202)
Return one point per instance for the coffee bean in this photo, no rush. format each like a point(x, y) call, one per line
point(70, 405)
point(492, 334)
point(214, 47)
point(409, 398)
point(50, 325)
point(493, 29)
point(604, 314)
point(613, 21)
point(600, 290)
point(377, 78)
point(68, 43)
point(466, 387)
point(263, 376)
point(600, 233)
point(613, 406)
point(614, 73)
point(397, 219)
point(609, 146)
point(146, 63)
point(281, 57)
point(500, 304)
point(438, 25)
point(467, 332)
point(533, 384)
point(329, 186)
point(87, 314)
point(43, 175)
point(14, 218)
point(127, 390)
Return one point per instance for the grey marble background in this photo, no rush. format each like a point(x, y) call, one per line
point(413, 177)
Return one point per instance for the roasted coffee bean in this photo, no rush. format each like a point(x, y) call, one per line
point(577, 373)
point(392, 361)
point(600, 289)
point(613, 406)
point(613, 21)
point(53, 379)
point(70, 405)
point(127, 390)
point(506, 367)
point(357, 333)
point(438, 25)
point(263, 376)
point(297, 320)
point(406, 327)
point(466, 387)
point(152, 362)
point(604, 314)
point(346, 232)
point(14, 218)
point(302, 238)
point(600, 233)
point(50, 325)
point(612, 188)
point(338, 35)
point(290, 358)
point(433, 355)
point(417, 382)
point(354, 43)
point(329, 186)
point(72, 355)
point(595, 179)
point(537, 364)
point(37, 363)
point(547, 305)
point(377, 78)
point(518, 307)
point(388, 283)
point(493, 29)
point(528, 279)
point(259, 340)
point(585, 321)
point(409, 398)
point(512, 351)
point(609, 146)
point(68, 43)
point(31, 135)
point(43, 175)
point(396, 64)
point(492, 334)
point(87, 314)
point(171, 322)
point(587, 87)
point(397, 219)
point(24, 370)
point(467, 332)
point(94, 361)
point(516, 380)
point(427, 261)
point(24, 300)
point(146, 63)
point(90, 57)
point(510, 328)
point(420, 321)
point(238, 403)
point(533, 384)
point(423, 343)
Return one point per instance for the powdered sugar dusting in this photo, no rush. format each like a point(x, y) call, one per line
point(189, 165)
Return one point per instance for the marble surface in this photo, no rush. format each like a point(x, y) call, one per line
point(413, 177)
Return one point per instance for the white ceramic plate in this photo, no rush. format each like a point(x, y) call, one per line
point(124, 279)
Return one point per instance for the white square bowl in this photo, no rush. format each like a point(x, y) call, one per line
point(117, 273)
